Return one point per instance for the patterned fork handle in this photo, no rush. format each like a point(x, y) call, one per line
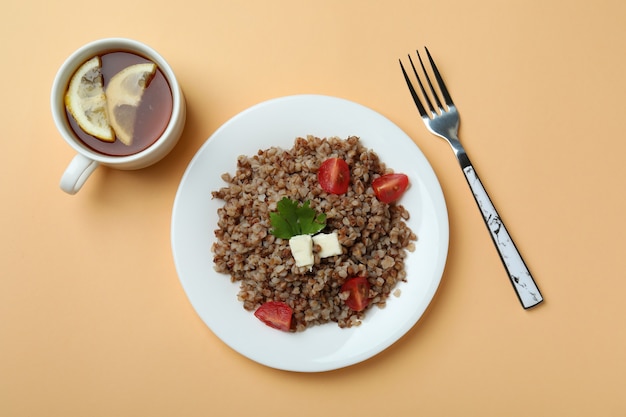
point(523, 282)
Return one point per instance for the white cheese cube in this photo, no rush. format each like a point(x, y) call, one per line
point(329, 244)
point(302, 250)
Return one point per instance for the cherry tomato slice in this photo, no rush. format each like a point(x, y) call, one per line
point(334, 176)
point(390, 187)
point(275, 314)
point(359, 290)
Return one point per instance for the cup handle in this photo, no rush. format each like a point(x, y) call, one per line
point(76, 173)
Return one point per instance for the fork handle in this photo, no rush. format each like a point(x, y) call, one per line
point(523, 283)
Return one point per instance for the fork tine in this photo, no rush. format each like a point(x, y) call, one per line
point(416, 98)
point(430, 84)
point(419, 80)
point(442, 85)
point(433, 92)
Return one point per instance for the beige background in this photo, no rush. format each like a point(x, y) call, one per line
point(94, 322)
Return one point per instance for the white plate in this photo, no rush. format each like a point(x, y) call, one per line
point(277, 123)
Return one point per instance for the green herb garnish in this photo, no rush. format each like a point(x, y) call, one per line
point(291, 219)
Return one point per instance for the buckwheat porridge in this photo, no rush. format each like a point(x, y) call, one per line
point(360, 236)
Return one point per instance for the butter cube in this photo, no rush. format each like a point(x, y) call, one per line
point(329, 244)
point(302, 250)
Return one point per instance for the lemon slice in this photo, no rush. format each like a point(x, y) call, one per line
point(86, 101)
point(124, 94)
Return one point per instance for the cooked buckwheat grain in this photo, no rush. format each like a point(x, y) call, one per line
point(373, 235)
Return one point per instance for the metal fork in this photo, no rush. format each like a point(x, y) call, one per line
point(444, 122)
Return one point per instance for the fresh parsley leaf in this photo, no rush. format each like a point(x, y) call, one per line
point(292, 219)
point(310, 222)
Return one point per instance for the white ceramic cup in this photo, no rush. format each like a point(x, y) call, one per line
point(86, 159)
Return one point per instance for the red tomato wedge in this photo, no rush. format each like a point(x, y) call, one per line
point(334, 176)
point(390, 187)
point(359, 293)
point(275, 314)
